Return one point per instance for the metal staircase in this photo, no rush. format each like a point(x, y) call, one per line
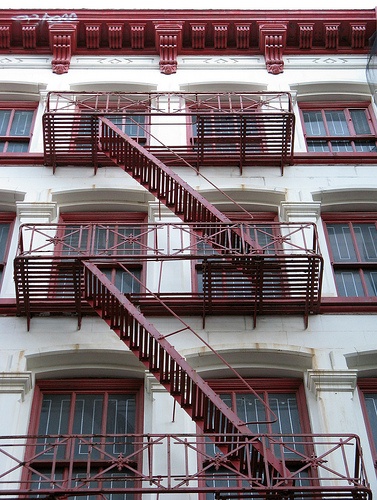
point(192, 393)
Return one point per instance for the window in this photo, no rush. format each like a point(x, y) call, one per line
point(81, 426)
point(352, 242)
point(222, 278)
point(285, 398)
point(335, 128)
point(133, 124)
point(368, 389)
point(6, 222)
point(108, 235)
point(16, 125)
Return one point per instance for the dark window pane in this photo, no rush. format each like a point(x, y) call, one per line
point(250, 409)
point(17, 147)
point(2, 146)
point(341, 243)
point(366, 146)
point(318, 146)
point(4, 121)
point(4, 232)
point(75, 240)
point(336, 122)
point(21, 123)
point(371, 281)
point(314, 123)
point(366, 237)
point(371, 405)
point(88, 414)
point(360, 122)
point(349, 284)
point(341, 146)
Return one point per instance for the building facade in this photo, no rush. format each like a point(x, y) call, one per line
point(188, 254)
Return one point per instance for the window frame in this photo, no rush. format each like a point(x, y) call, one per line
point(350, 218)
point(345, 106)
point(263, 385)
point(8, 218)
point(242, 217)
point(82, 140)
point(111, 218)
point(14, 106)
point(82, 386)
point(368, 385)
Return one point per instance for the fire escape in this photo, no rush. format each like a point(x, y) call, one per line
point(246, 268)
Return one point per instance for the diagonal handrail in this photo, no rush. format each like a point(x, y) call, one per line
point(192, 392)
point(161, 181)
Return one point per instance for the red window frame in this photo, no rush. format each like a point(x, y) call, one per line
point(263, 387)
point(7, 138)
point(6, 219)
point(111, 218)
point(329, 140)
point(72, 387)
point(258, 217)
point(359, 268)
point(369, 386)
point(87, 125)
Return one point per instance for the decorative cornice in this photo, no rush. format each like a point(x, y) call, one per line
point(172, 33)
point(16, 383)
point(272, 40)
point(168, 41)
point(62, 43)
point(331, 381)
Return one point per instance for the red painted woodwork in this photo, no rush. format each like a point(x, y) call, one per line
point(272, 39)
point(189, 32)
point(63, 42)
point(168, 43)
point(29, 36)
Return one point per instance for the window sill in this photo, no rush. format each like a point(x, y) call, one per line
point(21, 159)
point(348, 305)
point(335, 158)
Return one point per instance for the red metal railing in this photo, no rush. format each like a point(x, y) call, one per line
point(166, 240)
point(324, 467)
point(228, 128)
point(282, 276)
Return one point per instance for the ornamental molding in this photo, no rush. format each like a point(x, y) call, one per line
point(160, 33)
point(152, 385)
point(326, 62)
point(319, 381)
point(247, 62)
point(298, 210)
point(16, 383)
point(33, 212)
point(137, 62)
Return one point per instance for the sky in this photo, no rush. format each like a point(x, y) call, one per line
point(187, 4)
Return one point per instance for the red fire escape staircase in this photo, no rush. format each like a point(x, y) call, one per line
point(192, 393)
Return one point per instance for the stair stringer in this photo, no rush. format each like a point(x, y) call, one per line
point(170, 369)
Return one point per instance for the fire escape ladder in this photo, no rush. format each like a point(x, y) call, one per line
point(163, 182)
point(193, 394)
